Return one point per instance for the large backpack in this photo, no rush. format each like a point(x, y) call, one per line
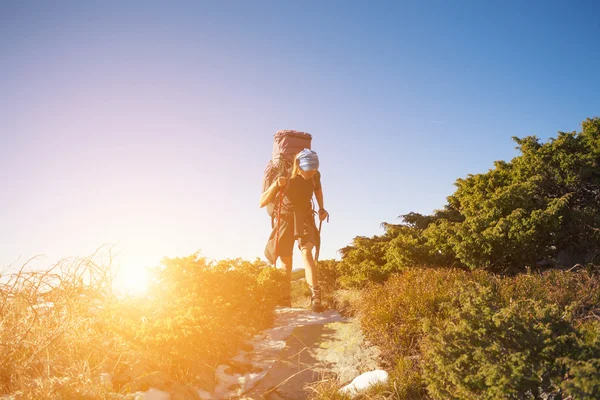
point(286, 145)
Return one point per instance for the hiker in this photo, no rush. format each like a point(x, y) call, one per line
point(296, 220)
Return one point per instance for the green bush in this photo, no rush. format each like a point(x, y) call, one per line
point(575, 293)
point(485, 350)
point(328, 275)
point(542, 208)
point(584, 382)
point(364, 261)
point(583, 378)
point(455, 334)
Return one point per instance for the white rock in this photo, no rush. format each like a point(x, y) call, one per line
point(365, 381)
point(154, 394)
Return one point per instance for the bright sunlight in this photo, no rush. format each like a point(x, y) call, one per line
point(131, 279)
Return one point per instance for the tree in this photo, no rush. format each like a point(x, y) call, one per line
point(540, 208)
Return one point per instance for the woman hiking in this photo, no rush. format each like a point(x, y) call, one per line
point(296, 221)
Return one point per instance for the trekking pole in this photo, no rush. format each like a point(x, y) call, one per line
point(319, 246)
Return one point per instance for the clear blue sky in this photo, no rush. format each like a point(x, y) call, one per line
point(150, 123)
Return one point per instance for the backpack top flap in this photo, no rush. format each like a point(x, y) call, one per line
point(287, 143)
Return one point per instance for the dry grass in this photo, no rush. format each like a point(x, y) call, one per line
point(346, 301)
point(51, 328)
point(329, 389)
point(64, 328)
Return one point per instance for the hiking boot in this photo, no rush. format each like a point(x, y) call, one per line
point(315, 300)
point(316, 306)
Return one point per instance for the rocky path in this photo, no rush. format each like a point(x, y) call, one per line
point(299, 350)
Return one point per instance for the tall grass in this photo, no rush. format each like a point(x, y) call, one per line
point(66, 334)
point(51, 327)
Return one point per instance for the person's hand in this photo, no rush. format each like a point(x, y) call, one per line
point(323, 214)
point(281, 181)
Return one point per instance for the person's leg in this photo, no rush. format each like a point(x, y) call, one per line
point(309, 264)
point(285, 248)
point(310, 269)
point(285, 263)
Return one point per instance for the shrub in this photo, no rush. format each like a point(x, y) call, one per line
point(365, 261)
point(486, 351)
point(461, 335)
point(584, 381)
point(300, 293)
point(328, 275)
point(541, 208)
point(392, 314)
point(200, 312)
point(583, 378)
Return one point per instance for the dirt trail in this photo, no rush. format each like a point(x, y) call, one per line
point(300, 349)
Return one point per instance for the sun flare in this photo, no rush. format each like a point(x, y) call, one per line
point(131, 280)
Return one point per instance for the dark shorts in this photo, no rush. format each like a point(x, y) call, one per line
point(287, 237)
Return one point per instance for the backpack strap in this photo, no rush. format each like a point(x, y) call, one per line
point(281, 171)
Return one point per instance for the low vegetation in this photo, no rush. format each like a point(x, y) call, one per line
point(64, 333)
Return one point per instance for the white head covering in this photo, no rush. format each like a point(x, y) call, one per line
point(308, 160)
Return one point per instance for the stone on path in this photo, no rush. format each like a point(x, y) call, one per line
point(365, 381)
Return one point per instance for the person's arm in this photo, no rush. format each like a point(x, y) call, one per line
point(268, 194)
point(319, 196)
